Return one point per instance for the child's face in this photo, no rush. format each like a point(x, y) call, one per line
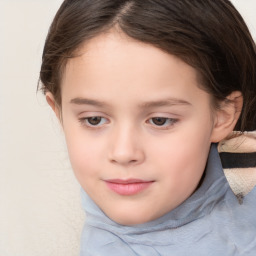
point(138, 128)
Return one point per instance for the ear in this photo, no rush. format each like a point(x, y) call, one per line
point(52, 103)
point(226, 116)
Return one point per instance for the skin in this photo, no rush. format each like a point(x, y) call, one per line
point(128, 85)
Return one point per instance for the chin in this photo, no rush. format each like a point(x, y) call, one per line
point(131, 219)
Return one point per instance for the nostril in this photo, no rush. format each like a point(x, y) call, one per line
point(123, 160)
point(127, 159)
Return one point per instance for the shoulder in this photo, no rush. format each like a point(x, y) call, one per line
point(238, 157)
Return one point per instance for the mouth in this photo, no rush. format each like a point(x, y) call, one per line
point(128, 187)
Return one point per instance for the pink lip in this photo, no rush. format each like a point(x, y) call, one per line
point(128, 187)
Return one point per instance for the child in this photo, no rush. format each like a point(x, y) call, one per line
point(144, 91)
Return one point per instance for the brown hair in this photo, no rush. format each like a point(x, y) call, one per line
point(209, 35)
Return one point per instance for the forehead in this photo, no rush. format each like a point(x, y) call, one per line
point(115, 51)
point(115, 64)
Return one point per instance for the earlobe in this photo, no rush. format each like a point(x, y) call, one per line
point(52, 103)
point(227, 116)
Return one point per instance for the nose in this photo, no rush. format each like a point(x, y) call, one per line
point(126, 147)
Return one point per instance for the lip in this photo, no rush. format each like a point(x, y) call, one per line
point(128, 187)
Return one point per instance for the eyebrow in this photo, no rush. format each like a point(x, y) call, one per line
point(163, 103)
point(150, 104)
point(84, 101)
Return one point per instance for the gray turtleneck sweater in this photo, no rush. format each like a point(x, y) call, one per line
point(210, 222)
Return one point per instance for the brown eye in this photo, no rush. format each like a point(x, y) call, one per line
point(162, 122)
point(159, 121)
point(95, 120)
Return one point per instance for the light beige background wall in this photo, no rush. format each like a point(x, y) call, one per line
point(40, 213)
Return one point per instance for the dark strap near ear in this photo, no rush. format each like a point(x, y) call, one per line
point(238, 160)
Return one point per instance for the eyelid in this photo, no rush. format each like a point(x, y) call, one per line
point(83, 119)
point(84, 122)
point(169, 118)
point(171, 121)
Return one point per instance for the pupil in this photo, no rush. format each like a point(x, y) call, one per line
point(159, 120)
point(94, 120)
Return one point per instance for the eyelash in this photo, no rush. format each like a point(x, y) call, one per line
point(167, 122)
point(85, 121)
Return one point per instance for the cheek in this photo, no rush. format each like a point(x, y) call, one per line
point(182, 170)
point(84, 154)
point(182, 159)
point(182, 156)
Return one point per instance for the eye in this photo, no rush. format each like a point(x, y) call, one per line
point(93, 121)
point(162, 121)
